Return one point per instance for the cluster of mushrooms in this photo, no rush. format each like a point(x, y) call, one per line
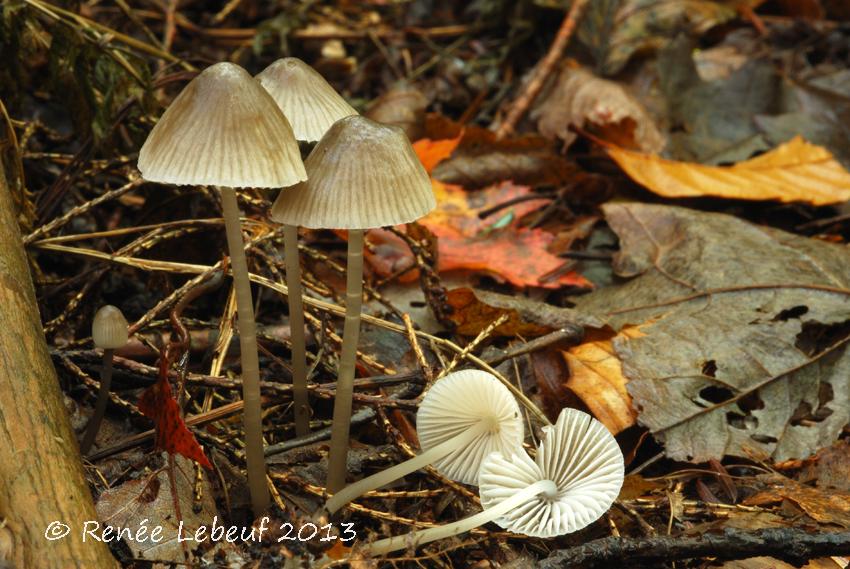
point(229, 130)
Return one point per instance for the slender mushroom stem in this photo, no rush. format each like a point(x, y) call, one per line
point(337, 460)
point(421, 537)
point(384, 477)
point(296, 328)
point(252, 417)
point(100, 406)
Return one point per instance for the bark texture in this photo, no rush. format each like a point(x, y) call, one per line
point(41, 475)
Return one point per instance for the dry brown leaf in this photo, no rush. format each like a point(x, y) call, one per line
point(826, 508)
point(596, 377)
point(148, 502)
point(794, 171)
point(470, 315)
point(582, 99)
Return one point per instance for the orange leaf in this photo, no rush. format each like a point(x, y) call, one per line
point(458, 209)
point(172, 435)
point(794, 171)
point(519, 257)
point(432, 152)
point(596, 377)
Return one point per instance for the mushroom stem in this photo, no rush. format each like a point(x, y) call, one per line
point(100, 406)
point(337, 459)
point(296, 327)
point(384, 477)
point(415, 539)
point(252, 417)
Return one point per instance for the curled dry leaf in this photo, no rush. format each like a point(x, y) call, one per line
point(584, 100)
point(172, 434)
point(482, 159)
point(795, 171)
point(614, 31)
point(403, 106)
point(596, 377)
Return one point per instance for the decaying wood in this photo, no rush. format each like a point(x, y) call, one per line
point(41, 476)
point(795, 546)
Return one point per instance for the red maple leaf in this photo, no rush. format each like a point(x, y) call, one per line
point(172, 435)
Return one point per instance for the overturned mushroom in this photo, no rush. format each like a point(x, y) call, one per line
point(362, 175)
point(463, 418)
point(573, 480)
point(225, 130)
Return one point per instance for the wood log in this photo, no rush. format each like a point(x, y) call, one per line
point(41, 475)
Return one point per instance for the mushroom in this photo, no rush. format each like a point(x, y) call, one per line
point(362, 175)
point(462, 419)
point(574, 479)
point(312, 106)
point(109, 331)
point(225, 130)
point(305, 97)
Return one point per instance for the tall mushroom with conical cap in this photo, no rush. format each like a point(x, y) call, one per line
point(573, 480)
point(312, 106)
point(362, 175)
point(463, 418)
point(225, 130)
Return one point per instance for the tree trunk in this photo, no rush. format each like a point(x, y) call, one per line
point(41, 475)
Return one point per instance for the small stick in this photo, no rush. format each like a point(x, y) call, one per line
point(543, 70)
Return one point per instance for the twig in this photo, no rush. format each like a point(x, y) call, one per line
point(543, 70)
point(792, 545)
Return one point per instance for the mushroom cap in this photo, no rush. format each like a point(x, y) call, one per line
point(109, 329)
point(457, 403)
point(307, 100)
point(362, 175)
point(580, 456)
point(223, 129)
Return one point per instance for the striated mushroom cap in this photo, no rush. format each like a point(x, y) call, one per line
point(457, 403)
point(583, 460)
point(362, 175)
point(109, 329)
point(223, 129)
point(309, 102)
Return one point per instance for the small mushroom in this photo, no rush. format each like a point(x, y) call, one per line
point(312, 106)
point(574, 479)
point(225, 130)
point(362, 175)
point(110, 331)
point(462, 419)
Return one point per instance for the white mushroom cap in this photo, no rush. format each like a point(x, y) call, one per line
point(307, 100)
point(109, 329)
point(362, 175)
point(223, 129)
point(457, 403)
point(579, 456)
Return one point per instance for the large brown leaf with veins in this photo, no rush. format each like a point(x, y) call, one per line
point(743, 350)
